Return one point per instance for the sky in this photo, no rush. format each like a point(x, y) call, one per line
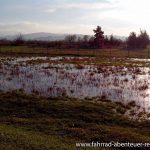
point(118, 17)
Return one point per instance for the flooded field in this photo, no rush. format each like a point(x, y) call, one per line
point(82, 77)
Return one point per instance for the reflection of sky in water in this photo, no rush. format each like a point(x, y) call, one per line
point(68, 80)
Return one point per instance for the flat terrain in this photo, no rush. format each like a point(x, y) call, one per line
point(113, 52)
point(37, 123)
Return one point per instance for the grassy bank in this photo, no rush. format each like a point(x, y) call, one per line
point(37, 123)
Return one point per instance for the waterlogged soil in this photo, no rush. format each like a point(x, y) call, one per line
point(123, 80)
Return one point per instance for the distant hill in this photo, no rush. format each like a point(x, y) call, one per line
point(123, 38)
point(38, 36)
point(43, 36)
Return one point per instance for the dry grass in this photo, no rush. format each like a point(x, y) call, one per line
point(115, 52)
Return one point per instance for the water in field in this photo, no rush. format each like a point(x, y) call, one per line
point(53, 76)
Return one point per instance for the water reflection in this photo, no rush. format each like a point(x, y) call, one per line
point(79, 81)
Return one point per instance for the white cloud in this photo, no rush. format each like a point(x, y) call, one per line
point(116, 16)
point(30, 27)
point(85, 6)
point(51, 10)
point(18, 27)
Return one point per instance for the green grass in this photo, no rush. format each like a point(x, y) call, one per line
point(38, 123)
point(25, 139)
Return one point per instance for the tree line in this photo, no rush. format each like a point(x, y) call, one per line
point(138, 41)
point(98, 41)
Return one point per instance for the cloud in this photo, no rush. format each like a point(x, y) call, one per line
point(18, 27)
point(30, 27)
point(52, 27)
point(84, 6)
point(51, 10)
point(70, 16)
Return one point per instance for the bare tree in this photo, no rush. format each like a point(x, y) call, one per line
point(19, 40)
point(85, 38)
point(70, 40)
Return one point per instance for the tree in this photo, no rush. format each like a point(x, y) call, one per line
point(70, 39)
point(99, 37)
point(91, 42)
point(140, 41)
point(85, 38)
point(84, 42)
point(132, 40)
point(143, 39)
point(19, 40)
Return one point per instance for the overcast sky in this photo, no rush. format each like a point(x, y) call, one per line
point(119, 17)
